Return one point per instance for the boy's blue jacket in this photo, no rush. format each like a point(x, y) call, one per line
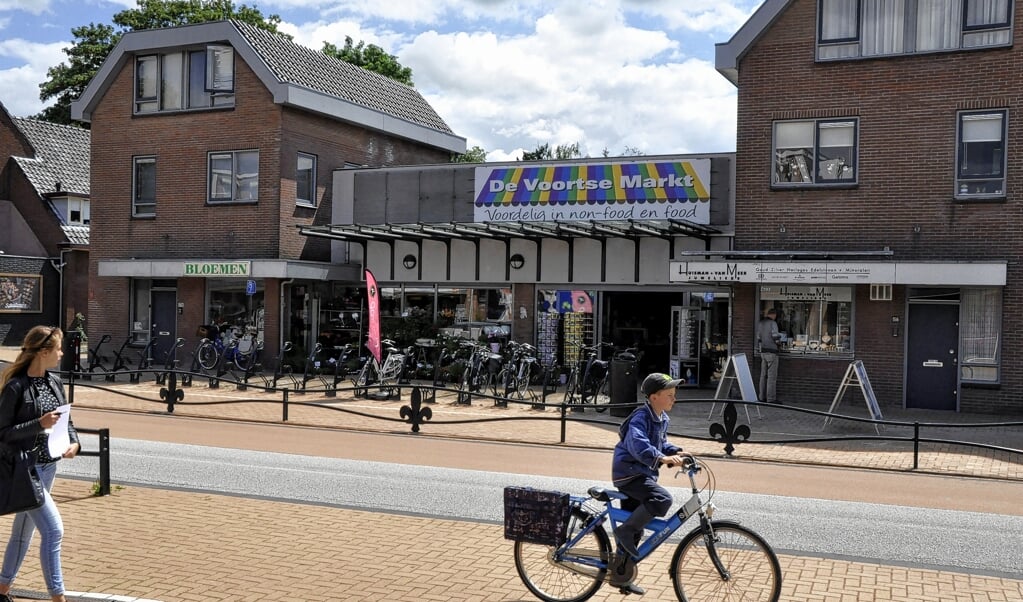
point(643, 441)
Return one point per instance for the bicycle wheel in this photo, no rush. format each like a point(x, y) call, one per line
point(752, 568)
point(207, 355)
point(554, 581)
point(599, 395)
point(245, 361)
point(366, 376)
point(570, 386)
point(523, 380)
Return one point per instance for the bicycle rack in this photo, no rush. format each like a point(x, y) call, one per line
point(551, 375)
point(95, 359)
point(170, 363)
point(279, 369)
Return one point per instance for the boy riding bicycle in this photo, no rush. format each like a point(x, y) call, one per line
point(642, 449)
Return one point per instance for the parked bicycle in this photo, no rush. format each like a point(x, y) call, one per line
point(717, 560)
point(389, 373)
point(481, 368)
point(521, 370)
point(587, 380)
point(240, 351)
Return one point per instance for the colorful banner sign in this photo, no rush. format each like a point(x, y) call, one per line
point(373, 294)
point(646, 190)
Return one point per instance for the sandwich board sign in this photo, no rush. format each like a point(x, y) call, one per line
point(856, 374)
point(736, 371)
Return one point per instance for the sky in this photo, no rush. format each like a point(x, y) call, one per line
point(614, 76)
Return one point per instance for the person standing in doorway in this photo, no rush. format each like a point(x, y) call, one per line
point(768, 337)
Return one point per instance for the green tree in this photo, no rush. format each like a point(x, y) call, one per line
point(543, 152)
point(94, 42)
point(371, 57)
point(476, 154)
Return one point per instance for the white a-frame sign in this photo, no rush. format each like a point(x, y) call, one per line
point(856, 374)
point(736, 371)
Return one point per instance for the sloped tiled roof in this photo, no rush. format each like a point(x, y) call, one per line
point(295, 64)
point(77, 235)
point(61, 155)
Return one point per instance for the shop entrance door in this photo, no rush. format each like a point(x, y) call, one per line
point(163, 304)
point(932, 356)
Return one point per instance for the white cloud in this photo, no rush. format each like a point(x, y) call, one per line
point(582, 75)
point(19, 85)
point(34, 7)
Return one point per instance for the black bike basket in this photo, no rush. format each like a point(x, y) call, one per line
point(536, 516)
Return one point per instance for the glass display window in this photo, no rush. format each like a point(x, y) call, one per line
point(813, 319)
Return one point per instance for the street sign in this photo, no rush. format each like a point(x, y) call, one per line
point(250, 287)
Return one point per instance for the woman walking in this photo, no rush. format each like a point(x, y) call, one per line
point(29, 397)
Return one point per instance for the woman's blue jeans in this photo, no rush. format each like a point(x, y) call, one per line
point(46, 518)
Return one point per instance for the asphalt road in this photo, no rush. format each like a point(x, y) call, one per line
point(944, 539)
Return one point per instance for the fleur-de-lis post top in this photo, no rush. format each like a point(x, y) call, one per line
point(730, 433)
point(414, 413)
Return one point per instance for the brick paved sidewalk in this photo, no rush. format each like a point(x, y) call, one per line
point(176, 546)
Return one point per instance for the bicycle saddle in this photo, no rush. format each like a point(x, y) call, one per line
point(603, 495)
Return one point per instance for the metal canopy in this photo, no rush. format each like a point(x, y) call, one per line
point(446, 231)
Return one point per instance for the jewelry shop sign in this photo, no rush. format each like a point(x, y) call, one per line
point(763, 272)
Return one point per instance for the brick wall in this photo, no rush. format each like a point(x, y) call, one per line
point(904, 200)
point(185, 226)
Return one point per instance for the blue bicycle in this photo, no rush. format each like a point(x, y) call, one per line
point(717, 560)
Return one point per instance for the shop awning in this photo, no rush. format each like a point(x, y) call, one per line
point(474, 232)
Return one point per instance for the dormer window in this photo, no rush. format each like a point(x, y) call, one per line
point(73, 211)
point(194, 79)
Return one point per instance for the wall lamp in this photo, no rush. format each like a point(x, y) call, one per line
point(409, 261)
point(516, 261)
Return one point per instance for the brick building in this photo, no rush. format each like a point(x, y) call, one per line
point(44, 224)
point(211, 145)
point(878, 197)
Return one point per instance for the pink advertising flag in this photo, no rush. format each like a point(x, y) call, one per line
point(373, 294)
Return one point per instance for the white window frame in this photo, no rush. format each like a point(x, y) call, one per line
point(846, 172)
point(305, 197)
point(137, 204)
point(82, 207)
point(855, 39)
point(235, 181)
point(982, 186)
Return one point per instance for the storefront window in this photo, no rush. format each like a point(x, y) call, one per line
point(814, 319)
point(459, 312)
point(233, 310)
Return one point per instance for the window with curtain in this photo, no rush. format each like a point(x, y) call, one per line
point(176, 81)
point(848, 29)
point(819, 151)
point(980, 154)
point(980, 332)
point(234, 177)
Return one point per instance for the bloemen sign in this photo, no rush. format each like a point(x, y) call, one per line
point(205, 269)
point(594, 191)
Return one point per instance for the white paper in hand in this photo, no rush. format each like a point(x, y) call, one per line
point(59, 439)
